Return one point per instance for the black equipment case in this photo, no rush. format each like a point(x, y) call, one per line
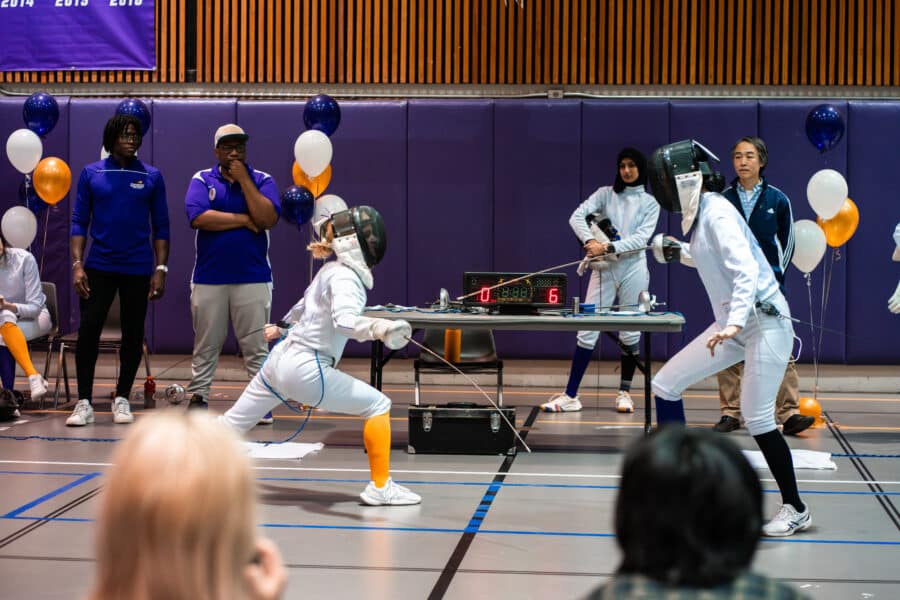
point(461, 428)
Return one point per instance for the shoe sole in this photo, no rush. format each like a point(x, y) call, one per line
point(552, 409)
point(373, 502)
point(624, 409)
point(119, 421)
point(796, 430)
point(803, 527)
point(86, 422)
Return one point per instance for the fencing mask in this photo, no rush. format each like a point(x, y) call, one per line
point(360, 240)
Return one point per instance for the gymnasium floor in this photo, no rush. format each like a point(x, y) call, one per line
point(535, 525)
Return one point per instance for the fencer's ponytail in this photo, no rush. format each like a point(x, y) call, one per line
point(320, 249)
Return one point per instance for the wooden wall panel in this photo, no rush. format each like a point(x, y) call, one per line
point(549, 42)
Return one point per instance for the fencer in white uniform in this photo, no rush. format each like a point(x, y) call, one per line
point(894, 300)
point(616, 218)
point(303, 365)
point(746, 302)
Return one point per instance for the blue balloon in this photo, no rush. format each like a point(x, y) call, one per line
point(135, 108)
point(323, 113)
point(824, 127)
point(297, 205)
point(41, 112)
point(28, 196)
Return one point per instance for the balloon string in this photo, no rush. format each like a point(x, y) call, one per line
point(44, 244)
point(826, 294)
point(808, 278)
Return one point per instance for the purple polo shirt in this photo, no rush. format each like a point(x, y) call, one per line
point(236, 255)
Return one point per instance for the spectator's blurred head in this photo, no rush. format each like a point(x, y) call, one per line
point(689, 510)
point(177, 516)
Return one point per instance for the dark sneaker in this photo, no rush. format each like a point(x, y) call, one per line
point(727, 424)
point(797, 423)
point(197, 402)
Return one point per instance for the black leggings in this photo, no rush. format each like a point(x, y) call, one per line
point(132, 290)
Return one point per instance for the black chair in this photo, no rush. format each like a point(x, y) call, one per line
point(48, 341)
point(478, 354)
point(110, 341)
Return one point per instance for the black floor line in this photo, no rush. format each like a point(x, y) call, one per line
point(16, 535)
point(860, 466)
point(456, 558)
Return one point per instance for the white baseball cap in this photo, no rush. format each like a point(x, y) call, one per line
point(229, 131)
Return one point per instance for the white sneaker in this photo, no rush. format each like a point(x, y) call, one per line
point(624, 403)
point(391, 494)
point(562, 403)
point(82, 415)
point(38, 386)
point(266, 419)
point(16, 414)
point(787, 522)
point(122, 411)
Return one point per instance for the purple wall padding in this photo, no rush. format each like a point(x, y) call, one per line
point(537, 183)
point(871, 275)
point(792, 161)
point(490, 184)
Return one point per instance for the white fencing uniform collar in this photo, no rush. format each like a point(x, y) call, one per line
point(348, 252)
point(689, 186)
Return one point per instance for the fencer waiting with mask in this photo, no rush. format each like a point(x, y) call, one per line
point(617, 218)
point(303, 366)
point(737, 278)
point(894, 301)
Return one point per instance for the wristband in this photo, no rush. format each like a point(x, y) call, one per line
point(76, 263)
point(163, 268)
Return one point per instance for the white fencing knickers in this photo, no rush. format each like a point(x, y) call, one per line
point(764, 345)
point(295, 372)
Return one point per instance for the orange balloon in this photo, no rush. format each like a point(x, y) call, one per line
point(810, 407)
point(841, 227)
point(315, 184)
point(52, 179)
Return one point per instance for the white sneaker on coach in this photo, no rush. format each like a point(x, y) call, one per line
point(121, 411)
point(624, 403)
point(82, 415)
point(391, 494)
point(38, 386)
point(562, 403)
point(787, 522)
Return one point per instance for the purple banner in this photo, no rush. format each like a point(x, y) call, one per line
point(79, 35)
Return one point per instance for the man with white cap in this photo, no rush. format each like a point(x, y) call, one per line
point(232, 206)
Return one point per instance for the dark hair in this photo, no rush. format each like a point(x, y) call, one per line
point(760, 146)
point(689, 510)
point(639, 160)
point(115, 127)
point(5, 245)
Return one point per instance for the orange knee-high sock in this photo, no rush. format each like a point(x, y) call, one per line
point(18, 347)
point(377, 438)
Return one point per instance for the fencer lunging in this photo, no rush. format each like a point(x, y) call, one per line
point(613, 219)
point(736, 276)
point(302, 367)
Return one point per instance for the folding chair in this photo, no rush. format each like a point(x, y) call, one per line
point(478, 354)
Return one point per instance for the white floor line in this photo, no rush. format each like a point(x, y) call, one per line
point(440, 472)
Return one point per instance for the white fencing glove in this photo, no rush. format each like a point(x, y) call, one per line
point(394, 334)
point(894, 301)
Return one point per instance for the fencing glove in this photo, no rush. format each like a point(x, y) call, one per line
point(894, 301)
point(394, 334)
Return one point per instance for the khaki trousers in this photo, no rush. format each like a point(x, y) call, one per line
point(787, 402)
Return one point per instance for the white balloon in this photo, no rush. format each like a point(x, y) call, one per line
point(826, 192)
point(24, 149)
point(326, 206)
point(809, 245)
point(18, 226)
point(312, 151)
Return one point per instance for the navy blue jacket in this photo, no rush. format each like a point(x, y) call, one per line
point(771, 222)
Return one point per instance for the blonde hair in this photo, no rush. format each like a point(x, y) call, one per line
point(177, 515)
point(322, 249)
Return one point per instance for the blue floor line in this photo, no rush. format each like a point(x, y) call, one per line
point(792, 540)
point(53, 494)
point(49, 473)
